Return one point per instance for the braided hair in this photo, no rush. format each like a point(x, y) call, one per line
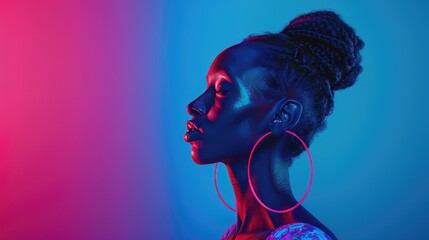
point(315, 54)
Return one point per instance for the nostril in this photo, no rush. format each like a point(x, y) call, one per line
point(196, 109)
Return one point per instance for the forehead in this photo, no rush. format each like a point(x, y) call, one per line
point(243, 57)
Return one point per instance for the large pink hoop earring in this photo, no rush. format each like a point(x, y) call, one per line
point(309, 185)
point(250, 182)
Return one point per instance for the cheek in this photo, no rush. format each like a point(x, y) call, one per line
point(239, 132)
point(249, 127)
point(248, 120)
point(215, 112)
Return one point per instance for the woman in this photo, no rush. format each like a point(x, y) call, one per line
point(279, 87)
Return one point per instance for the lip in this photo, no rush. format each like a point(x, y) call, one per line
point(190, 125)
point(194, 132)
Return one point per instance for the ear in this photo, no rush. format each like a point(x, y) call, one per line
point(287, 114)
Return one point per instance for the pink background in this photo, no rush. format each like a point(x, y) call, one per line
point(77, 132)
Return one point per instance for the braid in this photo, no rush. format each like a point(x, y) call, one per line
point(332, 41)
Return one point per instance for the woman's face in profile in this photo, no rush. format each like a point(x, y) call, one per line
point(230, 115)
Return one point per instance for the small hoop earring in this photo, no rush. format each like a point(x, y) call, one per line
point(309, 185)
point(250, 182)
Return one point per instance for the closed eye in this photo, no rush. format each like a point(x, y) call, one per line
point(221, 92)
point(222, 87)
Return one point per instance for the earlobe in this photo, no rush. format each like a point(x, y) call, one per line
point(286, 116)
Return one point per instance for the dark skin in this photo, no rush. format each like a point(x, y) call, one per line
point(230, 116)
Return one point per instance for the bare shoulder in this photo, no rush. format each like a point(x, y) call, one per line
point(303, 231)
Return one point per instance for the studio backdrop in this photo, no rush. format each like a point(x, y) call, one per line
point(92, 118)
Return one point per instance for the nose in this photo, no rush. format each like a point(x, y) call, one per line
point(196, 107)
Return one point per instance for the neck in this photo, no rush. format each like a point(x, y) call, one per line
point(270, 180)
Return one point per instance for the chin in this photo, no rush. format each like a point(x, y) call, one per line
point(198, 159)
point(202, 159)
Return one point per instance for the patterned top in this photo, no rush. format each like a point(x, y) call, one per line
point(292, 231)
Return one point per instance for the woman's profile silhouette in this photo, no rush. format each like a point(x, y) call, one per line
point(279, 86)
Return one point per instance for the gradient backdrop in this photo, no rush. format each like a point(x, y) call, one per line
point(92, 117)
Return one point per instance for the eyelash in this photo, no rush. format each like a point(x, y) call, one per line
point(221, 92)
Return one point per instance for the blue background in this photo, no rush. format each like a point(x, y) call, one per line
point(370, 163)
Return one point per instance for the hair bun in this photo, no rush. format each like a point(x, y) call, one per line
point(328, 38)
